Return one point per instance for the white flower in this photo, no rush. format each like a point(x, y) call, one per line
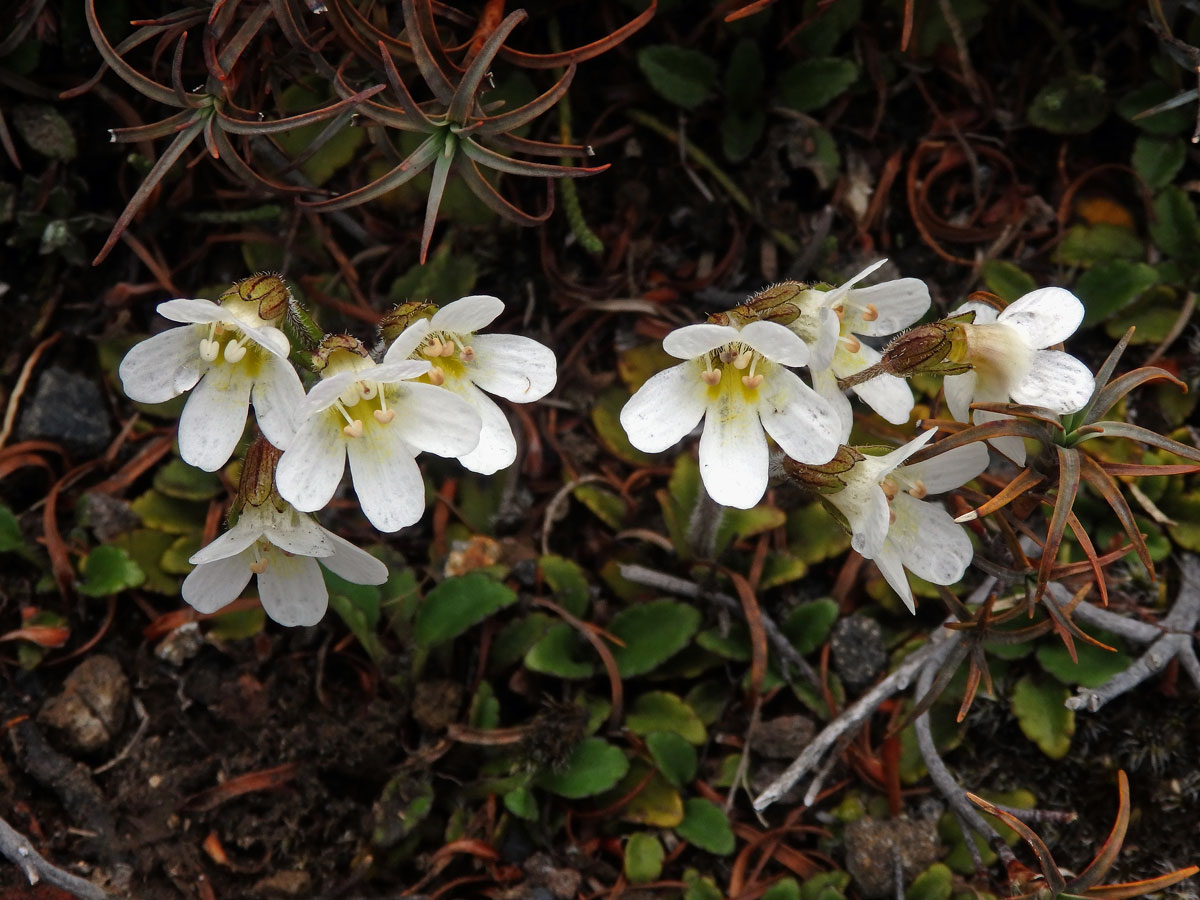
point(281, 547)
point(832, 322)
point(893, 526)
point(736, 379)
point(378, 418)
point(1009, 361)
point(232, 357)
point(516, 368)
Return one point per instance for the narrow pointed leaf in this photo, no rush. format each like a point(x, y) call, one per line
point(1068, 487)
point(501, 163)
point(1146, 436)
point(414, 163)
point(1089, 551)
point(463, 103)
point(537, 148)
point(525, 114)
point(1112, 392)
point(1075, 419)
point(1023, 482)
point(1129, 889)
point(580, 54)
point(423, 53)
point(1107, 854)
point(168, 126)
point(236, 164)
point(484, 190)
point(437, 187)
point(131, 76)
point(1054, 879)
point(1106, 486)
point(407, 104)
point(240, 41)
point(1036, 413)
point(240, 126)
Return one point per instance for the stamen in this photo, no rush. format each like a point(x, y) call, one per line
point(919, 490)
point(383, 416)
point(871, 313)
point(341, 407)
point(840, 312)
point(354, 429)
point(436, 376)
point(891, 516)
point(711, 377)
point(448, 349)
point(752, 381)
point(852, 343)
point(743, 359)
point(209, 350)
point(726, 356)
point(368, 390)
point(349, 397)
point(468, 354)
point(890, 489)
point(433, 348)
point(260, 563)
point(234, 352)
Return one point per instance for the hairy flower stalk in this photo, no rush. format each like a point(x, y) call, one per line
point(375, 416)
point(511, 366)
point(272, 540)
point(233, 354)
point(882, 502)
point(737, 379)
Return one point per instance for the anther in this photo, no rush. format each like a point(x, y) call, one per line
point(919, 490)
point(726, 356)
point(234, 352)
point(752, 381)
point(354, 429)
point(711, 377)
point(743, 359)
point(448, 349)
point(209, 350)
point(437, 377)
point(349, 397)
point(368, 390)
point(890, 489)
point(383, 416)
point(852, 343)
point(891, 516)
point(468, 354)
point(871, 313)
point(433, 348)
point(840, 312)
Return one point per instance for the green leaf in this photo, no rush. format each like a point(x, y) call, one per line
point(1095, 665)
point(178, 479)
point(1038, 706)
point(673, 755)
point(814, 535)
point(658, 804)
point(607, 506)
point(808, 625)
point(643, 858)
point(651, 633)
point(170, 514)
point(1073, 104)
point(568, 583)
point(935, 883)
point(10, 531)
point(238, 624)
point(606, 417)
point(1148, 96)
point(684, 77)
point(1175, 229)
point(701, 887)
point(809, 84)
point(740, 131)
point(739, 524)
point(594, 767)
point(108, 570)
point(517, 638)
point(520, 803)
point(554, 654)
point(338, 150)
point(820, 886)
point(45, 130)
point(457, 604)
point(358, 607)
point(706, 825)
point(1085, 245)
point(663, 711)
point(148, 548)
point(1006, 279)
point(784, 889)
point(1158, 160)
point(745, 76)
point(1109, 287)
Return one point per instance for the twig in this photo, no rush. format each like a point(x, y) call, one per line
point(556, 504)
point(1181, 321)
point(672, 585)
point(20, 852)
point(10, 414)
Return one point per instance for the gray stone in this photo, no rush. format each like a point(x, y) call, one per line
point(69, 409)
point(872, 848)
point(91, 708)
point(859, 654)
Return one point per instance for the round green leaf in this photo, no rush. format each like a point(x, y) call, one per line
point(1109, 287)
point(935, 883)
point(45, 130)
point(1073, 104)
point(1096, 665)
point(1158, 160)
point(683, 76)
point(810, 84)
point(108, 570)
point(783, 889)
point(643, 858)
point(594, 767)
point(673, 755)
point(566, 579)
point(554, 654)
point(521, 804)
point(705, 825)
point(1006, 279)
point(808, 625)
point(651, 633)
point(178, 479)
point(458, 603)
point(1040, 711)
point(662, 711)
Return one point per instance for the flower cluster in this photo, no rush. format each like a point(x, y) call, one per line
point(737, 376)
point(425, 394)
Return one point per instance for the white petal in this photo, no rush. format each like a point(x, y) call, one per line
point(351, 563)
point(828, 329)
point(396, 370)
point(733, 450)
point(231, 543)
point(513, 367)
point(1010, 445)
point(691, 341)
point(666, 408)
point(432, 419)
point(292, 591)
point(802, 422)
point(163, 366)
point(776, 343)
point(497, 447)
point(1056, 381)
point(467, 315)
point(833, 296)
point(881, 466)
point(277, 397)
point(930, 544)
point(1045, 317)
point(325, 393)
point(190, 311)
point(310, 469)
point(960, 392)
point(215, 417)
point(407, 342)
point(898, 304)
point(825, 384)
point(216, 584)
point(889, 396)
point(985, 313)
point(868, 515)
point(298, 534)
point(892, 569)
point(386, 478)
point(269, 338)
point(948, 470)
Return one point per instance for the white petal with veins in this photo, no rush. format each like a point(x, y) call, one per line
point(666, 408)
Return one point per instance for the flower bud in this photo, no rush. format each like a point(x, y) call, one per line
point(825, 478)
point(266, 291)
point(771, 304)
point(332, 345)
point(393, 323)
point(257, 484)
point(938, 348)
